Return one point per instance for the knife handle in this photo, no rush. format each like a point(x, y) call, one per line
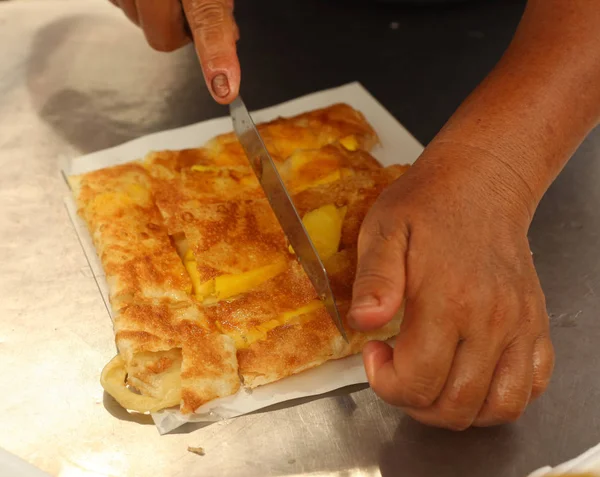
point(186, 24)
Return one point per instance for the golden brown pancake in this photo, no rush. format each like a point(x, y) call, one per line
point(128, 232)
point(207, 295)
point(282, 136)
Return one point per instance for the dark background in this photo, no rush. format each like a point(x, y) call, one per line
point(420, 61)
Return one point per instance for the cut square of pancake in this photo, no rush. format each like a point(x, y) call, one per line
point(356, 194)
point(316, 129)
point(308, 168)
point(172, 356)
point(287, 301)
point(281, 328)
point(129, 235)
point(233, 246)
point(191, 188)
point(304, 344)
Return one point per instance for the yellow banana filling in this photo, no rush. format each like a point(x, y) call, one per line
point(259, 333)
point(350, 142)
point(324, 227)
point(229, 285)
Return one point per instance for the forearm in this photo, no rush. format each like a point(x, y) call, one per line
point(540, 101)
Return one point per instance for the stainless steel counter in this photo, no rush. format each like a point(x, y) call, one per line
point(75, 77)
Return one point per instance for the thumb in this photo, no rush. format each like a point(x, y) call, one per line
point(378, 289)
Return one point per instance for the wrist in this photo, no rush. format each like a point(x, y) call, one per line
point(481, 179)
point(530, 114)
point(524, 138)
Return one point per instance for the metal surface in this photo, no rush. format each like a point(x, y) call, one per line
point(76, 77)
point(283, 207)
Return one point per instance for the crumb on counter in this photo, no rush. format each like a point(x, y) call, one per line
point(196, 450)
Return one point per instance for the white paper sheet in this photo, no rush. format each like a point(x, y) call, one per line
point(587, 463)
point(397, 146)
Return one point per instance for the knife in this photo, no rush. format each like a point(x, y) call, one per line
point(283, 207)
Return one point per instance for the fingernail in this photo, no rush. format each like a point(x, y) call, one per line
point(365, 302)
point(220, 85)
point(361, 304)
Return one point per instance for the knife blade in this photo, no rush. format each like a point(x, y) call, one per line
point(283, 207)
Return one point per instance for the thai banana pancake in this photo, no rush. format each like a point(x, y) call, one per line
point(206, 293)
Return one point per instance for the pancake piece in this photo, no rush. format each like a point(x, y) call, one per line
point(308, 168)
point(129, 235)
point(281, 328)
point(356, 193)
point(234, 237)
point(209, 369)
point(304, 344)
point(282, 136)
point(315, 129)
point(192, 188)
point(181, 192)
point(285, 304)
point(170, 355)
point(160, 333)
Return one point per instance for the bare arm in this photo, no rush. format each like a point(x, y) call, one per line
point(449, 238)
point(542, 99)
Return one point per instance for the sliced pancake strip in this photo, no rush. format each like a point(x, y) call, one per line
point(130, 237)
point(282, 136)
point(190, 188)
point(160, 333)
point(219, 171)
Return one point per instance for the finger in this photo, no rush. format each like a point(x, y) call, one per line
point(130, 9)
point(422, 358)
point(466, 388)
point(511, 386)
point(213, 28)
point(543, 365)
point(378, 289)
point(236, 31)
point(163, 24)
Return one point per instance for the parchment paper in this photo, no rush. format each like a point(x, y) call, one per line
point(397, 146)
point(587, 463)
